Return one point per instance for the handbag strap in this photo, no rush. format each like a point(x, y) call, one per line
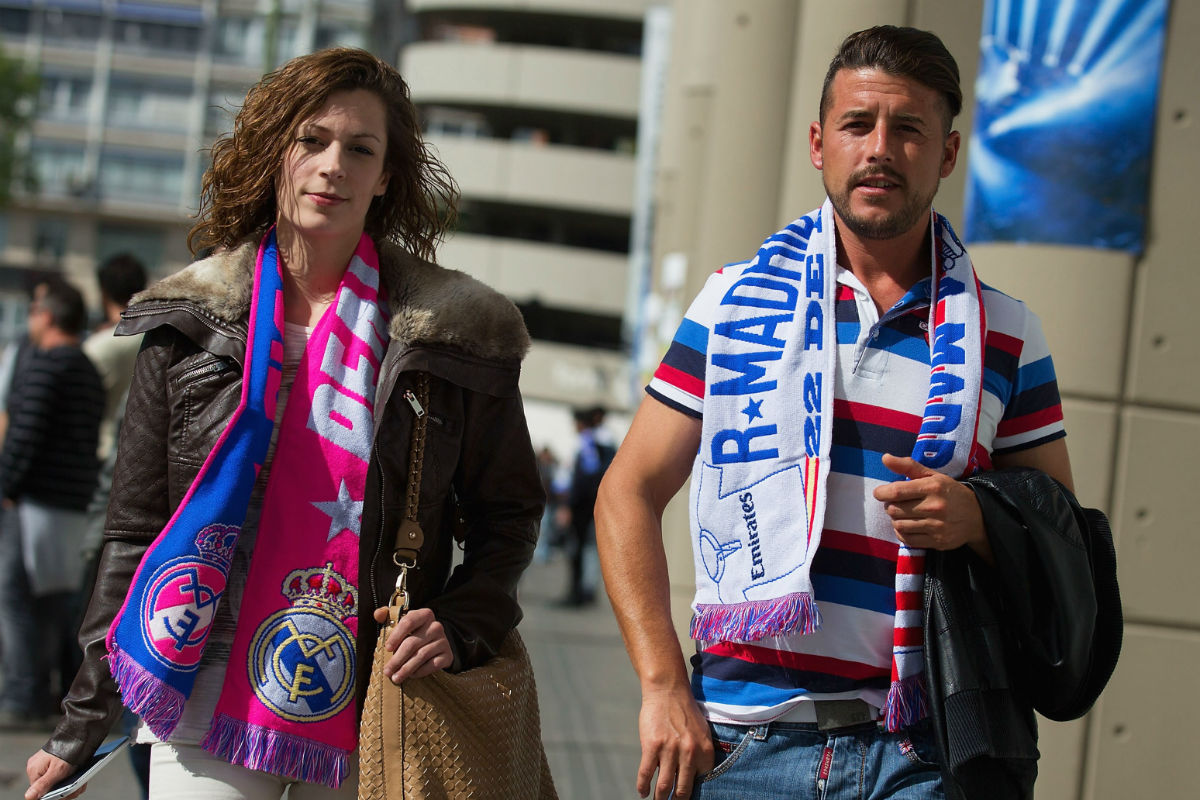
point(409, 536)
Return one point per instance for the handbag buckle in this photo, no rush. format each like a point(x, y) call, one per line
point(400, 599)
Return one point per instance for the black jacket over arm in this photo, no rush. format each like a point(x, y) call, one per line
point(1038, 630)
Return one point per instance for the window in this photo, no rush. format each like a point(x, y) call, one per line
point(337, 36)
point(239, 40)
point(151, 105)
point(145, 243)
point(50, 241)
point(219, 112)
point(70, 26)
point(287, 41)
point(58, 167)
point(14, 310)
point(141, 177)
point(64, 98)
point(158, 37)
point(440, 121)
point(14, 21)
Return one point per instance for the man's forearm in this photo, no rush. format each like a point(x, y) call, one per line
point(629, 538)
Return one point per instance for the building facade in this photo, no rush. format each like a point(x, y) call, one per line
point(131, 95)
point(533, 106)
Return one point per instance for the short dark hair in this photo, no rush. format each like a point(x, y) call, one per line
point(121, 277)
point(65, 305)
point(907, 52)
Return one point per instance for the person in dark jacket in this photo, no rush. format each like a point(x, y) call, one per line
point(325, 209)
point(594, 456)
point(48, 470)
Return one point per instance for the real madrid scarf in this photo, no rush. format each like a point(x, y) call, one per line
point(287, 705)
point(759, 482)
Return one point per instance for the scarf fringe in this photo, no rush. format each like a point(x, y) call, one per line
point(267, 750)
point(158, 704)
point(907, 703)
point(791, 614)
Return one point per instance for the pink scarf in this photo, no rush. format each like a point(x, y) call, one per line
point(287, 706)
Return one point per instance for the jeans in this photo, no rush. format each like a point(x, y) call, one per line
point(37, 632)
point(23, 693)
point(795, 760)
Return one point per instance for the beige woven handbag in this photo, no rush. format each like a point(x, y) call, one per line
point(475, 734)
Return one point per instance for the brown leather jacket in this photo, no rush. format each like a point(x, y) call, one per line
point(478, 457)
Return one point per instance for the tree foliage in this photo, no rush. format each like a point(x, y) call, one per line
point(18, 105)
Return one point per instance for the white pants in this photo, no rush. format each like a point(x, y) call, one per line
point(187, 772)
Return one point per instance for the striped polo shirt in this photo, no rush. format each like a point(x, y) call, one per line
point(882, 383)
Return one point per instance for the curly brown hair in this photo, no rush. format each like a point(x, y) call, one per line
point(237, 195)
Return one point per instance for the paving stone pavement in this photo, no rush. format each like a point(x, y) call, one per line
point(587, 690)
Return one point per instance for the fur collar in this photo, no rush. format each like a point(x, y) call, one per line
point(430, 304)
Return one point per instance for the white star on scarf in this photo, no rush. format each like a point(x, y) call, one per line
point(344, 513)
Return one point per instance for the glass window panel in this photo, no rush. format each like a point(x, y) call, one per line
point(64, 97)
point(151, 105)
point(141, 178)
point(338, 36)
point(58, 168)
point(239, 40)
point(50, 240)
point(156, 37)
point(222, 106)
point(70, 26)
point(145, 243)
point(14, 20)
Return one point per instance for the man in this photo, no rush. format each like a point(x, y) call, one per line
point(594, 456)
point(824, 415)
point(120, 278)
point(47, 476)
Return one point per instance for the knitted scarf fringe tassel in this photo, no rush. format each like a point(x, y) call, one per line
point(160, 706)
point(756, 619)
point(906, 704)
point(259, 748)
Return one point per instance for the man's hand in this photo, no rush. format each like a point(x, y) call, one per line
point(418, 645)
point(932, 510)
point(675, 741)
point(45, 772)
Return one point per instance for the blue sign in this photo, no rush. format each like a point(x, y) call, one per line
point(1064, 122)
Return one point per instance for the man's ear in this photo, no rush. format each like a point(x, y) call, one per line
point(815, 153)
point(950, 153)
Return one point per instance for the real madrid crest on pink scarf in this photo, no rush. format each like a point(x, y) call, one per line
point(287, 706)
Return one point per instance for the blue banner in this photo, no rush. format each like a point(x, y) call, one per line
point(1064, 122)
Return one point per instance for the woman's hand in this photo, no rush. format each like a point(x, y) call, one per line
point(45, 772)
point(418, 645)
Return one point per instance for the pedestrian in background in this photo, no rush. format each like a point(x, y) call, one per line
point(596, 452)
point(47, 474)
point(120, 278)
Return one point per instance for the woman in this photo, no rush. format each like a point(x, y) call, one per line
point(322, 205)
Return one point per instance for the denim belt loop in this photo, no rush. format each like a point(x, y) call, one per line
point(759, 732)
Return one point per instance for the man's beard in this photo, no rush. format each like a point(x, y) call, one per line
point(889, 227)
